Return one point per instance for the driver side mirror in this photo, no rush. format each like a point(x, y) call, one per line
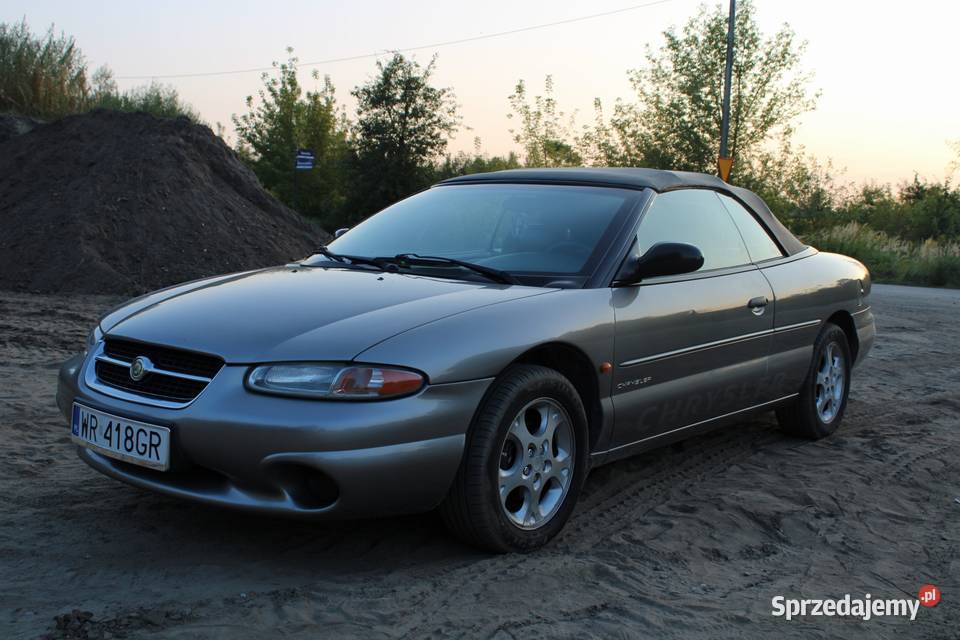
point(340, 232)
point(662, 259)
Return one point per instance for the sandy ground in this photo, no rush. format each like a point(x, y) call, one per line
point(691, 541)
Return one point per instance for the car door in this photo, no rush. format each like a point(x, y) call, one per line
point(796, 321)
point(691, 347)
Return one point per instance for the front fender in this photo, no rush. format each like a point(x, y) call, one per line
point(482, 342)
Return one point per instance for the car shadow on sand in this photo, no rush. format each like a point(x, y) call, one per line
point(290, 546)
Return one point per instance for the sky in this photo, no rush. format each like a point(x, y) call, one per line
point(886, 71)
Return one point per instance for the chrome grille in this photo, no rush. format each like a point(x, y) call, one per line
point(166, 358)
point(175, 376)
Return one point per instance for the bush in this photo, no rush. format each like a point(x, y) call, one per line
point(931, 262)
point(156, 99)
point(933, 210)
point(464, 164)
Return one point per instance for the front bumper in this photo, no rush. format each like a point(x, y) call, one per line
point(286, 456)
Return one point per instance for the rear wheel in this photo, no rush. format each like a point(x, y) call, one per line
point(524, 464)
point(818, 410)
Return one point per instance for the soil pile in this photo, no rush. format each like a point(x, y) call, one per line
point(12, 126)
point(110, 202)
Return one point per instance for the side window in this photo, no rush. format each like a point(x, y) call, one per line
point(759, 243)
point(694, 216)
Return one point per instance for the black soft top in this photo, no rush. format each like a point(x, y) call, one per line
point(633, 178)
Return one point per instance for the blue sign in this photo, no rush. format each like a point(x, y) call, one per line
point(304, 160)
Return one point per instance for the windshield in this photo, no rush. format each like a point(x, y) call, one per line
point(535, 229)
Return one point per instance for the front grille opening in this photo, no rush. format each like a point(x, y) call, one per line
point(166, 358)
point(154, 385)
point(309, 488)
point(167, 382)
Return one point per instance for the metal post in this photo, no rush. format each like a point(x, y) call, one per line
point(725, 161)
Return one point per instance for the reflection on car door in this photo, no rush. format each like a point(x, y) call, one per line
point(691, 347)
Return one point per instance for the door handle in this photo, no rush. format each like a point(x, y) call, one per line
point(758, 305)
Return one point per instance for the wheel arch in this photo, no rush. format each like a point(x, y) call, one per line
point(844, 320)
point(576, 366)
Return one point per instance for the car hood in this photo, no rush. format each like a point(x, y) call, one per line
point(298, 313)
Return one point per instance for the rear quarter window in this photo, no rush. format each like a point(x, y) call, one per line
point(759, 243)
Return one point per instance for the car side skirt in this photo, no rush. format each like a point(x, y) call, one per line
point(599, 458)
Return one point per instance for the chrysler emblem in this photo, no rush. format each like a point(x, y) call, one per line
point(140, 367)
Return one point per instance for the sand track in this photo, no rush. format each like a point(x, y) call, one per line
point(687, 541)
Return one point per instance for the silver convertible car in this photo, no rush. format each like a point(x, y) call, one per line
point(476, 348)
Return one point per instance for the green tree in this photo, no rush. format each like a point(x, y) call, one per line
point(802, 190)
point(675, 121)
point(543, 134)
point(403, 125)
point(600, 144)
point(284, 119)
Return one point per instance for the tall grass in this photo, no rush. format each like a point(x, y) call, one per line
point(892, 259)
point(45, 77)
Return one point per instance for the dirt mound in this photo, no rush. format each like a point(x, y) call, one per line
point(109, 202)
point(12, 126)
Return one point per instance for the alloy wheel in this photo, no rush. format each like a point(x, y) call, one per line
point(536, 463)
point(830, 383)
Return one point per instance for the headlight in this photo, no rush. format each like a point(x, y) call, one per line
point(333, 381)
point(93, 338)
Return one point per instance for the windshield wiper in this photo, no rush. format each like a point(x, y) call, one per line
point(413, 259)
point(343, 258)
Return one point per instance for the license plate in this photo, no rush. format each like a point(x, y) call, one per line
point(129, 440)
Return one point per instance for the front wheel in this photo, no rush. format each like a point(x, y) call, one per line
point(818, 410)
point(524, 463)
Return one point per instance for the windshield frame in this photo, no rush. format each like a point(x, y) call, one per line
point(634, 199)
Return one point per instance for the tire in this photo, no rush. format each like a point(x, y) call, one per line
point(804, 417)
point(494, 502)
